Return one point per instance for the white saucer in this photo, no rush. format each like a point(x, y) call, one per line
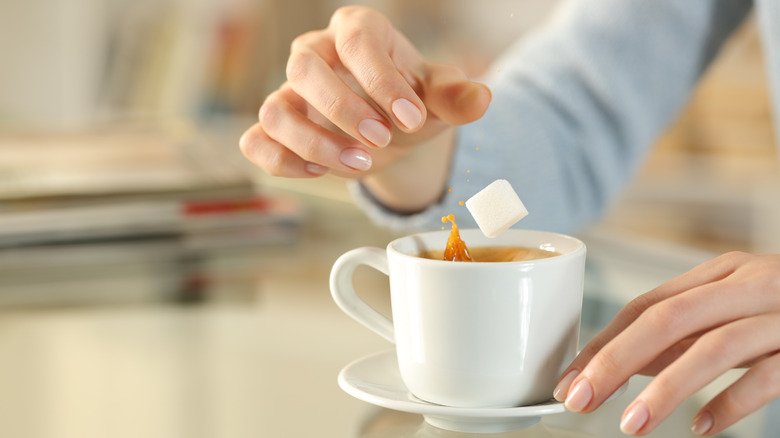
point(376, 379)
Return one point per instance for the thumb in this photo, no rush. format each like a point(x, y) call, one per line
point(451, 96)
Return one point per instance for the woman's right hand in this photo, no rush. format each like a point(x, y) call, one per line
point(358, 98)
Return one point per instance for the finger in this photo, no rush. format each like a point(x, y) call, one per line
point(656, 330)
point(452, 96)
point(274, 158)
point(713, 354)
point(285, 124)
point(711, 271)
point(675, 351)
point(667, 357)
point(623, 319)
point(757, 387)
point(316, 81)
point(366, 42)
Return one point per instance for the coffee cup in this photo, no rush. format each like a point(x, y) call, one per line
point(474, 334)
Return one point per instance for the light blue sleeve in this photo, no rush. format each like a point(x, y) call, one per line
point(576, 106)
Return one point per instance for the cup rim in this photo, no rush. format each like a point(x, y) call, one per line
point(579, 246)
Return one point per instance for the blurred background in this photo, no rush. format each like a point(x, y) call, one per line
point(153, 283)
point(119, 123)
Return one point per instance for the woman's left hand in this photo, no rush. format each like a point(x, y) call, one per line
point(723, 314)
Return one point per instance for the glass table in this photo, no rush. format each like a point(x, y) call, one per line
point(266, 364)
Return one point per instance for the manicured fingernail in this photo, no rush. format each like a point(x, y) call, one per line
point(316, 169)
point(702, 423)
point(563, 386)
point(634, 418)
point(356, 159)
point(375, 132)
point(407, 113)
point(580, 396)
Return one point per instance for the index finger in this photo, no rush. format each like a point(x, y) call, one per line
point(382, 62)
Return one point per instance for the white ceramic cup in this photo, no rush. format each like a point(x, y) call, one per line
point(490, 334)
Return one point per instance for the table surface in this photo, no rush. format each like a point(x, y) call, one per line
point(266, 365)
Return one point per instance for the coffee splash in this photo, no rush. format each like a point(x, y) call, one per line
point(456, 250)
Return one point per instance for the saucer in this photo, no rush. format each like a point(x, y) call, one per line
point(376, 379)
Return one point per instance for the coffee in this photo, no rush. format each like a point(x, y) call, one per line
point(496, 254)
point(457, 251)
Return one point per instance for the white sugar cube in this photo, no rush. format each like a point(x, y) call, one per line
point(496, 208)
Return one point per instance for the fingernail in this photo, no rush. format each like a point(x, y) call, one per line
point(702, 423)
point(316, 169)
point(563, 386)
point(375, 132)
point(635, 418)
point(580, 396)
point(407, 113)
point(356, 159)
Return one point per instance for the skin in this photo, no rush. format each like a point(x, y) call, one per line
point(358, 69)
point(722, 314)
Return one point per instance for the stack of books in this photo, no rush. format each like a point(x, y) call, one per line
point(126, 204)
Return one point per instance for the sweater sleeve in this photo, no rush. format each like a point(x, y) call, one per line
point(576, 105)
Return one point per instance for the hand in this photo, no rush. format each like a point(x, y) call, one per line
point(358, 98)
point(723, 314)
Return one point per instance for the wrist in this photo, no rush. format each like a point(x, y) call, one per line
point(418, 180)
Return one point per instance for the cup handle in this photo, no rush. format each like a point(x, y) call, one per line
point(344, 293)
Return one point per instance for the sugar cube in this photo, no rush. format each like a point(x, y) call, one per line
point(496, 208)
